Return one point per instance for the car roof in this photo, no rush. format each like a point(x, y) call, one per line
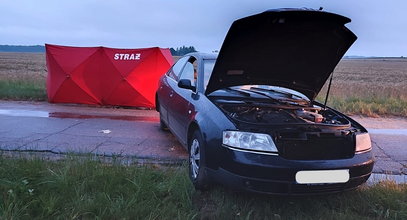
point(204, 56)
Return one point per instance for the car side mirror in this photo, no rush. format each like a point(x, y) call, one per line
point(186, 84)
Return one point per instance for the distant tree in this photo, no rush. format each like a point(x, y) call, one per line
point(181, 51)
point(173, 51)
point(19, 48)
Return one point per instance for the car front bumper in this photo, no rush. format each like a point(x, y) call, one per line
point(273, 174)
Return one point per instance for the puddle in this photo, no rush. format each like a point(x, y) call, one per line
point(377, 177)
point(388, 131)
point(44, 114)
point(24, 113)
point(112, 117)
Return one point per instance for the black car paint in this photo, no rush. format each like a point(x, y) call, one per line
point(182, 109)
point(185, 110)
point(248, 169)
point(275, 175)
point(266, 49)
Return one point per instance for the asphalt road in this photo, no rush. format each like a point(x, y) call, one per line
point(40, 127)
point(61, 129)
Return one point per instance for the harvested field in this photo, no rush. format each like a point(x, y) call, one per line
point(372, 87)
point(22, 76)
point(374, 77)
point(16, 66)
point(369, 86)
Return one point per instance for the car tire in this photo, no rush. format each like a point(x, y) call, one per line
point(157, 108)
point(162, 125)
point(196, 152)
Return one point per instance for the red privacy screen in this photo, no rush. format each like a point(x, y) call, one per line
point(105, 76)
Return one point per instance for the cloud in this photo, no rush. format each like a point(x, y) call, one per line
point(203, 24)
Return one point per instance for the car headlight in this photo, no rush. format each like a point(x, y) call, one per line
point(249, 141)
point(363, 142)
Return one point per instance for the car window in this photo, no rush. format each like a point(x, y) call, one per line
point(195, 64)
point(208, 67)
point(176, 69)
point(188, 72)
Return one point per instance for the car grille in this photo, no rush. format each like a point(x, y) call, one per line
point(317, 148)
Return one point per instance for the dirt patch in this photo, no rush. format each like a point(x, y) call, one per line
point(382, 122)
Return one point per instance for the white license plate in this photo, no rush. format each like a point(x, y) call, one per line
point(322, 176)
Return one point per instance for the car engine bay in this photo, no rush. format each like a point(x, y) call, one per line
point(300, 128)
point(282, 114)
point(322, 133)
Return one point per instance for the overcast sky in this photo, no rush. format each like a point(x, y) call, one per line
point(381, 26)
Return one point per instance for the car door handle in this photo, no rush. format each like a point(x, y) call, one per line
point(171, 94)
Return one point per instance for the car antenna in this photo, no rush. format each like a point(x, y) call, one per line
point(327, 92)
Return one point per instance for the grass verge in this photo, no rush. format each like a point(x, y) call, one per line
point(368, 106)
point(76, 189)
point(373, 107)
point(23, 90)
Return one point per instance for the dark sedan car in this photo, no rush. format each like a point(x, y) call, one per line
point(249, 118)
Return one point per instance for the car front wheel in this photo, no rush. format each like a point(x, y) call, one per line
point(197, 172)
point(162, 124)
point(157, 108)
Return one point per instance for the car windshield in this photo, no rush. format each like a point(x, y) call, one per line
point(275, 91)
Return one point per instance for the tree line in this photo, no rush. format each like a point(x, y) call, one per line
point(19, 48)
point(181, 51)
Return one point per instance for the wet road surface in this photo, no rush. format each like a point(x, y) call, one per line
point(64, 129)
point(45, 114)
point(55, 129)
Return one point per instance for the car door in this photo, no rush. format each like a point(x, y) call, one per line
point(166, 89)
point(179, 113)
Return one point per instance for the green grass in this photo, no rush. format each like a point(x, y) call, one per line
point(373, 106)
point(381, 201)
point(23, 90)
point(88, 189)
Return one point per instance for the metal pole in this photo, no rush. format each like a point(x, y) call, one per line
point(327, 92)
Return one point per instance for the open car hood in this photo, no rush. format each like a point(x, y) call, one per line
point(292, 48)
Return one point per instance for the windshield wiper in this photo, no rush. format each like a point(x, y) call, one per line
point(300, 100)
point(276, 91)
point(238, 91)
point(289, 101)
